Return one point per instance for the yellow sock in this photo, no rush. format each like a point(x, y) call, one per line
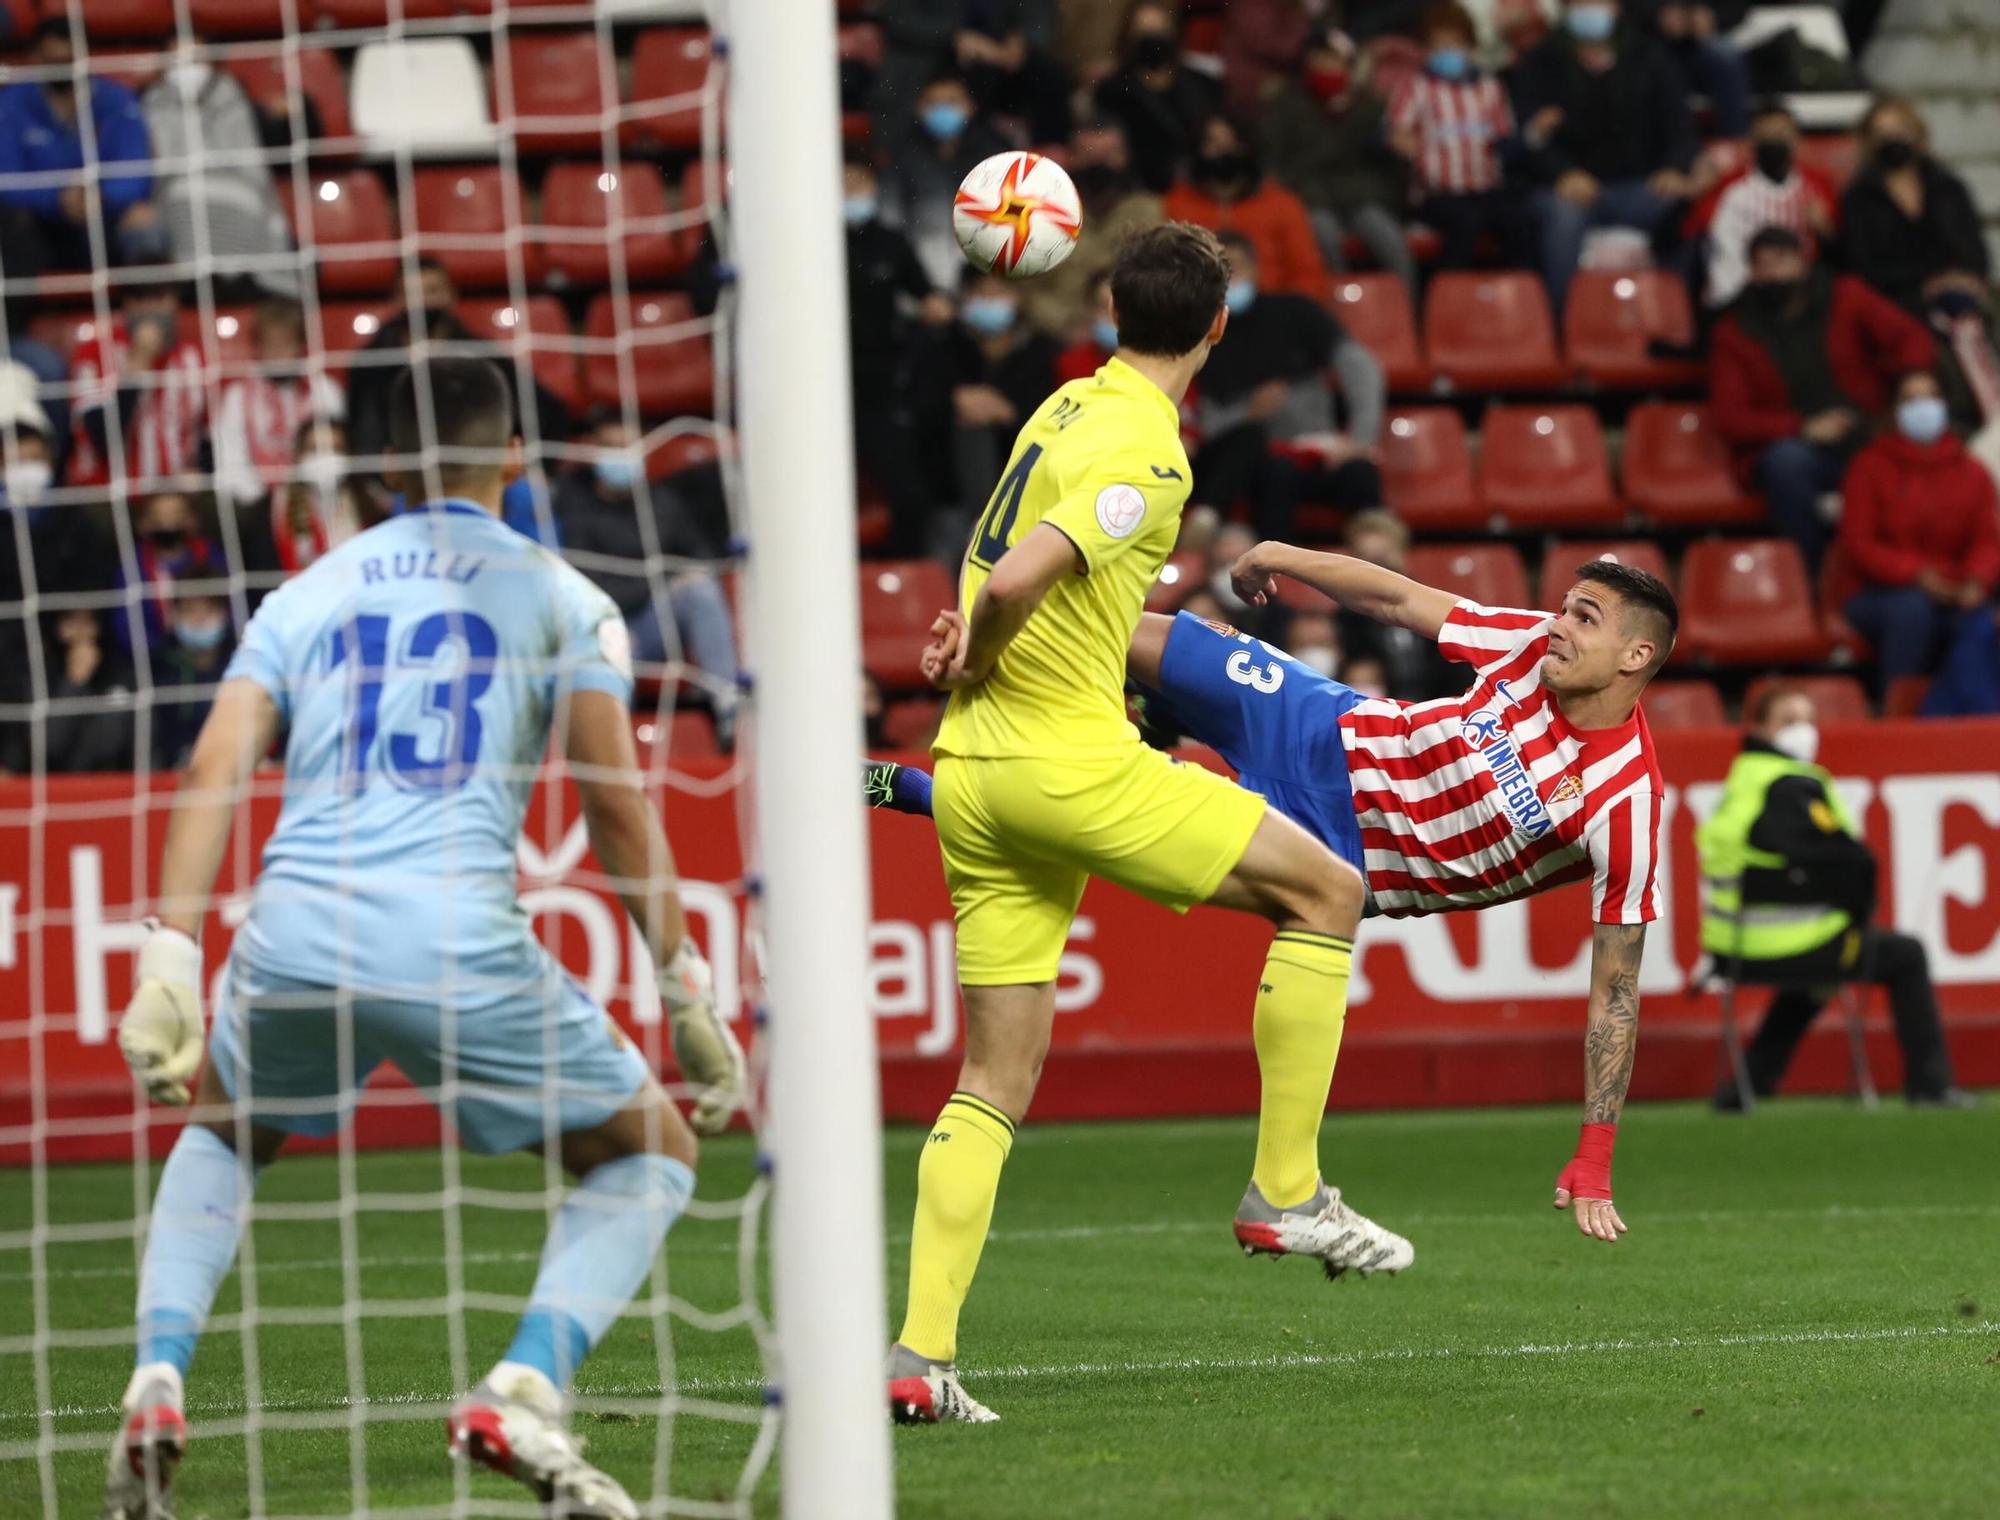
point(1301, 1006)
point(958, 1176)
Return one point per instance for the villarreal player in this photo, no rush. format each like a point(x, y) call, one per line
point(1041, 783)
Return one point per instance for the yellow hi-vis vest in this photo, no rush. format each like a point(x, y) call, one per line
point(1761, 931)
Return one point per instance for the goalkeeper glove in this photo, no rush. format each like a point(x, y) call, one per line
point(161, 1031)
point(709, 1057)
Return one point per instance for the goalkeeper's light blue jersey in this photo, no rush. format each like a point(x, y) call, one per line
point(418, 668)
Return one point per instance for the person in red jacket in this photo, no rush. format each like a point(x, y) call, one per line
point(1228, 193)
point(1921, 529)
point(1800, 366)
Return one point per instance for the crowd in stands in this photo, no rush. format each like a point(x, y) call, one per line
point(1361, 159)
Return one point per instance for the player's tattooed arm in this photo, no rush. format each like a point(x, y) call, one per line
point(1611, 1038)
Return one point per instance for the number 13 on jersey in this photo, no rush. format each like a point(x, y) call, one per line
point(463, 640)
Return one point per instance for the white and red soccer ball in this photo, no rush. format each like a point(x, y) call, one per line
point(1017, 215)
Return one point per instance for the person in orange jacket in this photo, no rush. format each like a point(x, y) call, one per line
point(1227, 192)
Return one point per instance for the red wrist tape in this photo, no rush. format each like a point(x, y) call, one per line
point(1588, 1174)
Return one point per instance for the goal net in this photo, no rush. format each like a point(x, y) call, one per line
point(198, 343)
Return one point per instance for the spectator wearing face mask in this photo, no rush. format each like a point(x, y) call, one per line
point(940, 143)
point(613, 521)
point(1918, 527)
point(1002, 49)
point(1115, 207)
point(1799, 367)
point(1227, 192)
point(143, 387)
point(45, 224)
point(187, 665)
point(1321, 134)
point(1160, 102)
point(318, 505)
point(91, 707)
point(1696, 35)
point(1790, 888)
point(1454, 123)
point(1263, 41)
point(1773, 190)
point(196, 112)
point(1912, 229)
point(1312, 639)
point(169, 545)
point(261, 415)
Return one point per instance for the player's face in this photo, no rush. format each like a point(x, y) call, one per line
point(1588, 648)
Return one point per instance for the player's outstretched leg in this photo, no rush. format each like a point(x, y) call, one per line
point(1315, 900)
point(636, 1174)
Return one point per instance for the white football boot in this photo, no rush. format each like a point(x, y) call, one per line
point(924, 1392)
point(1321, 1227)
point(147, 1448)
point(513, 1425)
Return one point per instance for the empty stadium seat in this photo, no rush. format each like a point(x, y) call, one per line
point(1747, 601)
point(1178, 576)
point(116, 19)
point(688, 735)
point(346, 13)
point(1545, 467)
point(1905, 697)
point(1427, 471)
point(579, 198)
point(669, 67)
point(1677, 469)
point(674, 372)
point(346, 326)
point(1560, 562)
point(320, 81)
point(425, 95)
point(1491, 331)
point(1490, 574)
point(1683, 704)
point(912, 724)
point(1375, 310)
point(238, 18)
point(1611, 317)
point(1839, 699)
point(352, 233)
point(562, 86)
point(463, 213)
point(681, 451)
point(538, 322)
point(899, 601)
point(224, 339)
point(1835, 154)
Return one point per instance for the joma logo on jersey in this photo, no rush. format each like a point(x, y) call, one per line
point(1518, 798)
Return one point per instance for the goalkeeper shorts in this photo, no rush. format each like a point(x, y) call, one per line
point(513, 1072)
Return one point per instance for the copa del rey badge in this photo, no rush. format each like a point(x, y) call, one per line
point(1120, 509)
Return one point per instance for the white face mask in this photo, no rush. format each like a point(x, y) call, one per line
point(1799, 740)
point(27, 481)
point(1321, 657)
point(323, 473)
point(188, 77)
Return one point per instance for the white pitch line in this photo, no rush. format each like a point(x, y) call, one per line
point(1283, 1361)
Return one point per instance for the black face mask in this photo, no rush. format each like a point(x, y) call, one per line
point(1099, 182)
point(1155, 50)
point(1895, 153)
point(1774, 161)
point(1224, 168)
point(167, 541)
point(1771, 295)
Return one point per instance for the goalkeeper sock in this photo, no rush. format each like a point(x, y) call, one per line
point(197, 1221)
point(1301, 1006)
point(599, 1250)
point(958, 1176)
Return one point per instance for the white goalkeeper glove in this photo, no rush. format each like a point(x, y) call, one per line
point(161, 1031)
point(710, 1059)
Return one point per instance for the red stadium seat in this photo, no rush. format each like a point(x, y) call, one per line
point(539, 323)
point(226, 340)
point(674, 371)
point(63, 330)
point(1560, 562)
point(681, 451)
point(320, 81)
point(239, 18)
point(1491, 331)
point(688, 735)
point(352, 231)
point(1427, 471)
point(1490, 574)
point(1683, 704)
point(347, 326)
point(1678, 470)
point(578, 198)
point(1611, 317)
point(899, 601)
point(1839, 699)
point(1375, 310)
point(1545, 467)
point(562, 87)
point(349, 13)
point(463, 213)
point(669, 67)
point(1747, 601)
point(1181, 574)
point(1906, 696)
point(1835, 154)
point(912, 724)
point(118, 19)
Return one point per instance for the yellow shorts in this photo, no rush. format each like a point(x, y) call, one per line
point(1021, 836)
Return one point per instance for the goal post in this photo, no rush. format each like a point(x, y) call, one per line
point(822, 1119)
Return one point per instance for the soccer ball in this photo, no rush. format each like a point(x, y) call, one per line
point(1017, 215)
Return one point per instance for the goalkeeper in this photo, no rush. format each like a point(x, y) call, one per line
point(417, 673)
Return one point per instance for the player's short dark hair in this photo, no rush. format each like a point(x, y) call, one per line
point(471, 407)
point(1775, 238)
point(1641, 590)
point(1167, 285)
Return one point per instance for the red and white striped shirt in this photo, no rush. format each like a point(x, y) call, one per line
point(1743, 205)
point(1493, 795)
point(164, 437)
point(1459, 127)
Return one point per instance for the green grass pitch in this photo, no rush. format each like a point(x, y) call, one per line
point(1804, 1320)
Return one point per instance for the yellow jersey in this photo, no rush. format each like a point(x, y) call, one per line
point(1101, 461)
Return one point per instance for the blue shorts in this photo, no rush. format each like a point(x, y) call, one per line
point(522, 1069)
point(1276, 721)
